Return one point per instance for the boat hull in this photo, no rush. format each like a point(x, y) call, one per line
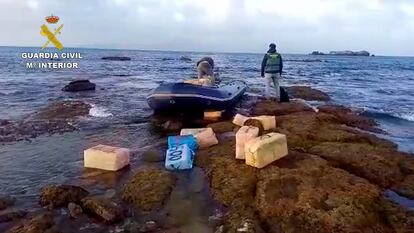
point(189, 97)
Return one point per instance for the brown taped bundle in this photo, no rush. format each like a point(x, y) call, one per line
point(255, 123)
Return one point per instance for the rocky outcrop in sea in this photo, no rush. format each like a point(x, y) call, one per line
point(58, 117)
point(343, 53)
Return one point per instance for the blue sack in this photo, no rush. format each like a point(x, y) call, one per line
point(179, 158)
point(190, 140)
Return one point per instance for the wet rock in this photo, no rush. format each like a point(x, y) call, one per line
point(79, 85)
point(6, 201)
point(242, 111)
point(152, 156)
point(172, 126)
point(197, 180)
point(136, 227)
point(216, 219)
point(255, 123)
point(42, 223)
point(219, 229)
point(273, 108)
point(12, 216)
point(298, 160)
point(396, 217)
point(335, 109)
point(229, 179)
point(348, 117)
point(61, 195)
point(93, 176)
point(18, 131)
point(104, 208)
point(149, 188)
point(246, 221)
point(110, 193)
point(407, 163)
point(306, 129)
point(185, 59)
point(204, 157)
point(63, 110)
point(232, 183)
point(224, 137)
point(337, 188)
point(380, 166)
point(406, 187)
point(74, 210)
point(116, 58)
point(222, 127)
point(298, 193)
point(307, 93)
point(56, 118)
point(248, 226)
point(165, 126)
point(316, 198)
point(247, 102)
point(149, 226)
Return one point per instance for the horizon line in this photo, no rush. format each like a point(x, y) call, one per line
point(189, 51)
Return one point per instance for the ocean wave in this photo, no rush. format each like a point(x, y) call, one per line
point(10, 92)
point(97, 111)
point(139, 84)
point(122, 75)
point(387, 115)
point(250, 69)
point(304, 60)
point(407, 116)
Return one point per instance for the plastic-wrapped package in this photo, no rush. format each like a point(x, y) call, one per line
point(179, 158)
point(106, 157)
point(266, 149)
point(245, 134)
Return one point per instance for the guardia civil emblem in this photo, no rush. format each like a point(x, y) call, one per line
point(51, 37)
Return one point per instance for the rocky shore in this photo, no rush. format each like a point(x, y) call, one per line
point(58, 117)
point(333, 179)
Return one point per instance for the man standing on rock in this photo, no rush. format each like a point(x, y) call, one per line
point(272, 66)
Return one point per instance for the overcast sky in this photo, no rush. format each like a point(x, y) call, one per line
point(383, 27)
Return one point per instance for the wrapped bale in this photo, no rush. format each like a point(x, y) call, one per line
point(255, 123)
point(245, 134)
point(266, 149)
point(185, 132)
point(179, 158)
point(106, 157)
point(205, 137)
point(207, 81)
point(212, 115)
point(268, 122)
point(190, 140)
point(239, 119)
point(193, 81)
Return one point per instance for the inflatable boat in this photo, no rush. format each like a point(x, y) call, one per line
point(190, 97)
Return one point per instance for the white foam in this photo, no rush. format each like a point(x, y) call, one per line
point(406, 116)
point(9, 92)
point(96, 111)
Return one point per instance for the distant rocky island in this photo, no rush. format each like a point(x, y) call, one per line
point(343, 53)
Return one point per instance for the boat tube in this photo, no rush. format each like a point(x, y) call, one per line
point(190, 97)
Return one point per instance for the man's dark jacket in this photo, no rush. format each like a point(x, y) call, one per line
point(271, 51)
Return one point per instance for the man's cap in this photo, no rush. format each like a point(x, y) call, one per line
point(272, 45)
